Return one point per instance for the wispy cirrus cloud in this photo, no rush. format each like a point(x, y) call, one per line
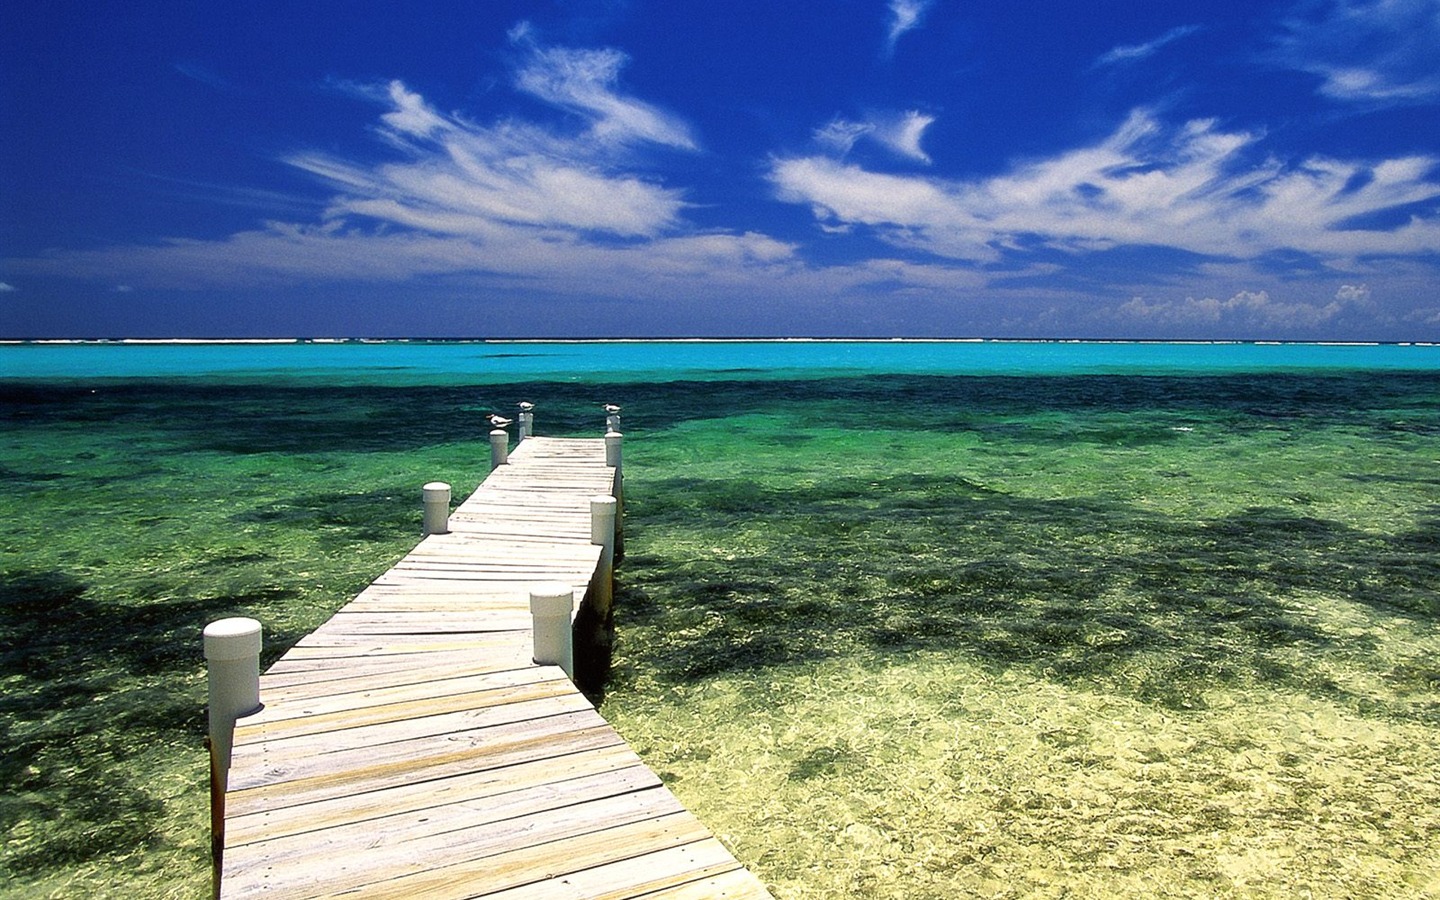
point(465, 179)
point(515, 181)
point(839, 135)
point(1193, 188)
point(511, 202)
point(458, 177)
point(585, 82)
point(900, 133)
point(1134, 52)
point(202, 73)
point(905, 15)
point(1374, 52)
point(904, 134)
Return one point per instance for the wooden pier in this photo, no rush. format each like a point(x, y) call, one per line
point(409, 747)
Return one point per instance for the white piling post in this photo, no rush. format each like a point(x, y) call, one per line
point(602, 520)
point(551, 606)
point(602, 532)
point(232, 655)
point(437, 508)
point(499, 448)
point(614, 442)
point(232, 651)
point(527, 419)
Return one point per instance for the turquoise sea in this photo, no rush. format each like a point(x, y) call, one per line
point(897, 618)
point(500, 362)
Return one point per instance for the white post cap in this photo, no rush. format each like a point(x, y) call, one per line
point(436, 490)
point(552, 599)
point(237, 638)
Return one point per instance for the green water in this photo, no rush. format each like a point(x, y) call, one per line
point(890, 636)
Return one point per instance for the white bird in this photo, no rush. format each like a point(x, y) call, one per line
point(611, 408)
point(499, 421)
point(525, 405)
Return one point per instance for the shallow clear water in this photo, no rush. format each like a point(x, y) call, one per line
point(1005, 628)
point(1125, 636)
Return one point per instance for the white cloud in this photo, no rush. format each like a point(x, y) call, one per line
point(1245, 308)
point(1372, 52)
point(584, 81)
point(839, 135)
point(282, 254)
point(472, 180)
point(1133, 52)
point(459, 178)
point(411, 117)
point(905, 16)
point(706, 266)
point(7, 288)
point(899, 133)
point(903, 136)
point(1194, 188)
point(1356, 294)
point(510, 203)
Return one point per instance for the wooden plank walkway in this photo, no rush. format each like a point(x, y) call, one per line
point(409, 747)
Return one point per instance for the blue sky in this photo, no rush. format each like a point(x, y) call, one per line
point(820, 167)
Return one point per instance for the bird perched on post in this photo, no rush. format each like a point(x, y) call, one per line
point(525, 405)
point(499, 421)
point(612, 409)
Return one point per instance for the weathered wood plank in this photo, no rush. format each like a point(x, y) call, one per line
point(425, 600)
point(616, 765)
point(483, 549)
point(322, 639)
point(704, 870)
point(473, 649)
point(287, 747)
point(527, 865)
point(498, 748)
point(358, 711)
point(459, 619)
point(479, 592)
point(298, 692)
point(419, 847)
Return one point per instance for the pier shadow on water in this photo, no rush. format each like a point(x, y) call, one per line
point(105, 684)
point(1089, 592)
point(1009, 534)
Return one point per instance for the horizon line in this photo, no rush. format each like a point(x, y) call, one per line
point(280, 341)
